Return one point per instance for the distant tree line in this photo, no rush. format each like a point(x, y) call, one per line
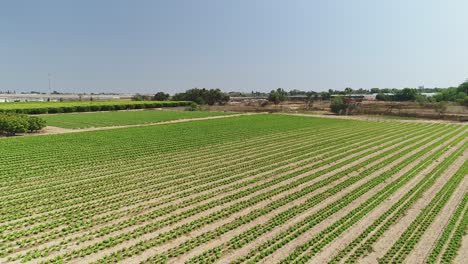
point(159, 96)
point(12, 123)
point(216, 96)
point(203, 96)
point(199, 96)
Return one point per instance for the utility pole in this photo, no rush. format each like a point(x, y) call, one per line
point(50, 91)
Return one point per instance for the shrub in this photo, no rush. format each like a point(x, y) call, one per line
point(36, 124)
point(338, 106)
point(11, 124)
point(193, 107)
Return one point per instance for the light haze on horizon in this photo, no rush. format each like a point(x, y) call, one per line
point(243, 45)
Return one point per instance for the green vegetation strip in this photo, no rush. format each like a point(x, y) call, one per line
point(88, 106)
point(297, 229)
point(276, 204)
point(110, 195)
point(121, 118)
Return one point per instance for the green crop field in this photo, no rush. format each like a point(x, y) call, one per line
point(261, 188)
point(119, 118)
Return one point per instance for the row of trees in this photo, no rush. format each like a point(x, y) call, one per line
point(203, 96)
point(200, 96)
point(11, 123)
point(160, 96)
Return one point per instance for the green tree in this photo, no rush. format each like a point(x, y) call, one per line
point(203, 96)
point(441, 108)
point(338, 105)
point(277, 96)
point(161, 96)
point(35, 124)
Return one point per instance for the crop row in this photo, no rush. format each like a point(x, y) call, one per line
point(285, 161)
point(309, 161)
point(452, 234)
point(398, 209)
point(217, 215)
point(294, 231)
point(408, 240)
point(274, 205)
point(333, 231)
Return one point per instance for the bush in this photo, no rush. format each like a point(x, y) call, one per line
point(193, 107)
point(11, 124)
point(36, 124)
point(338, 106)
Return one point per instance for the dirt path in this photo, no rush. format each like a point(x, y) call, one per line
point(49, 130)
point(391, 236)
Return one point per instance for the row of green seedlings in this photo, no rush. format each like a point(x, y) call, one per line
point(392, 215)
point(23, 201)
point(110, 154)
point(242, 239)
point(283, 156)
point(164, 169)
point(452, 236)
point(185, 203)
point(408, 240)
point(121, 157)
point(325, 149)
point(133, 173)
point(308, 250)
point(215, 216)
point(269, 208)
point(35, 230)
point(253, 216)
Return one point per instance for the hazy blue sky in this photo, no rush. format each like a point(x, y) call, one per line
point(243, 45)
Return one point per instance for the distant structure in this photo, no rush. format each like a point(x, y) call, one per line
point(59, 97)
point(362, 97)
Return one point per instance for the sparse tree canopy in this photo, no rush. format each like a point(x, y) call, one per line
point(161, 96)
point(338, 105)
point(203, 96)
point(277, 96)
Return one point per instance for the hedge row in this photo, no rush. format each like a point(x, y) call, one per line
point(49, 108)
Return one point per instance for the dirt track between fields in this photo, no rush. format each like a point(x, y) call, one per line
point(58, 130)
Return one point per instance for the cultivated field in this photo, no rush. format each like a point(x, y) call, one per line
point(120, 118)
point(246, 189)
